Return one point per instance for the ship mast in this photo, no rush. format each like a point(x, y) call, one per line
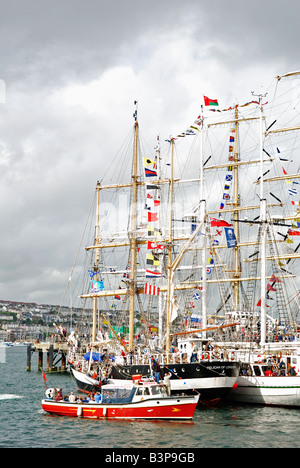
point(170, 290)
point(133, 242)
point(96, 261)
point(235, 206)
point(202, 214)
point(237, 268)
point(263, 216)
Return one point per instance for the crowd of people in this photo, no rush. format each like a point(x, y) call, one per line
point(72, 398)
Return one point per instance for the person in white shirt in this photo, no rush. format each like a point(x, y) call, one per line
point(72, 398)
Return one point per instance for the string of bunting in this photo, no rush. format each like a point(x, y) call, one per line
point(293, 193)
point(236, 106)
point(153, 246)
point(212, 105)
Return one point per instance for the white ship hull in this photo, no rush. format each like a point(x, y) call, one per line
point(275, 391)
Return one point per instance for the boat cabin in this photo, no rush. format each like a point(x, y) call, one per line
point(151, 390)
point(196, 349)
point(272, 366)
point(135, 391)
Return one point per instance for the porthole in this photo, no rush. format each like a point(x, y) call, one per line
point(182, 369)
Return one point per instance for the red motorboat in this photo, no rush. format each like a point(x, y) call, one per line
point(139, 399)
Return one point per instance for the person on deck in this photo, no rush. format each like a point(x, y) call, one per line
point(156, 370)
point(291, 371)
point(167, 378)
point(58, 396)
point(281, 368)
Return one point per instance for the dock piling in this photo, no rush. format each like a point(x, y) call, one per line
point(55, 352)
point(40, 364)
point(29, 358)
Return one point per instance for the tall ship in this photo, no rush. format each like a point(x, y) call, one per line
point(210, 284)
point(141, 279)
point(268, 345)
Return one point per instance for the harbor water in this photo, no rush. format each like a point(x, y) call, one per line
point(23, 424)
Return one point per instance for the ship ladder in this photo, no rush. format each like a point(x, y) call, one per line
point(283, 307)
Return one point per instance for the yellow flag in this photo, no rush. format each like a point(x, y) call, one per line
point(148, 162)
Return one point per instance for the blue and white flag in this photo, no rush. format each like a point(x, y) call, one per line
point(230, 237)
point(195, 318)
point(96, 286)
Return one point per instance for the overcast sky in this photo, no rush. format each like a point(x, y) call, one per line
point(70, 71)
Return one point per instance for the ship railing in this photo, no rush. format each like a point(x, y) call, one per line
point(176, 358)
point(77, 360)
point(164, 359)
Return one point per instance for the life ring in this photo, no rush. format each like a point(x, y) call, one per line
point(216, 352)
point(49, 392)
point(258, 357)
point(205, 356)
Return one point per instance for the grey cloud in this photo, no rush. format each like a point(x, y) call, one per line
point(52, 151)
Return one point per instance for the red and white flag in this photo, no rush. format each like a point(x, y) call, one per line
point(153, 274)
point(154, 245)
point(151, 290)
point(152, 217)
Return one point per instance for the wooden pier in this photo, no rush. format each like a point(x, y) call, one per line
point(56, 354)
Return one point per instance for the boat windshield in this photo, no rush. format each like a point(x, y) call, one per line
point(117, 395)
point(158, 390)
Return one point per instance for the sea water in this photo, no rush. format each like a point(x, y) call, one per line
point(24, 424)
